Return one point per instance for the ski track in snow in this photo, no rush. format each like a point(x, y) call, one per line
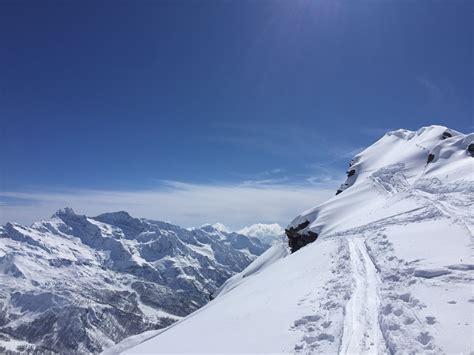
point(322, 330)
point(362, 333)
point(375, 315)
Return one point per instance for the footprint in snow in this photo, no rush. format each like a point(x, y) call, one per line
point(430, 273)
point(405, 297)
point(398, 312)
point(326, 324)
point(324, 336)
point(424, 338)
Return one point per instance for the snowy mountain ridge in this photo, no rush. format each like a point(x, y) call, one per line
point(265, 232)
point(390, 270)
point(80, 284)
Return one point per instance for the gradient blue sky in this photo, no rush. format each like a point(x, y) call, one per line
point(126, 97)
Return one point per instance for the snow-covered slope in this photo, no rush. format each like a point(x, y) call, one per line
point(74, 283)
point(390, 272)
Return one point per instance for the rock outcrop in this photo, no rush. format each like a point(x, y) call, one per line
point(298, 238)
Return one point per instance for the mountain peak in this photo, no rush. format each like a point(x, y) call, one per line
point(442, 132)
point(66, 211)
point(117, 215)
point(221, 227)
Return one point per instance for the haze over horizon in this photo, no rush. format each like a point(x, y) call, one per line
point(200, 112)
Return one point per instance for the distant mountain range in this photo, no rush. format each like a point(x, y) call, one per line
point(80, 284)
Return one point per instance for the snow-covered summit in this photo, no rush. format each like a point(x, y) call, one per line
point(391, 269)
point(397, 162)
point(66, 211)
point(267, 233)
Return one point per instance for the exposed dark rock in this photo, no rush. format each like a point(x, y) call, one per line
point(446, 134)
point(470, 149)
point(298, 239)
point(343, 187)
point(430, 158)
point(350, 172)
point(301, 226)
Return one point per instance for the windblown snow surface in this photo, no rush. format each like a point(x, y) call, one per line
point(391, 271)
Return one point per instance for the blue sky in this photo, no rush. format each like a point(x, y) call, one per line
point(116, 98)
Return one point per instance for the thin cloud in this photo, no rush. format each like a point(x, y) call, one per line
point(323, 180)
point(236, 205)
point(263, 182)
point(267, 174)
point(433, 90)
point(283, 139)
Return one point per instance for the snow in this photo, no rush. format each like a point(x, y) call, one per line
point(131, 341)
point(276, 252)
point(250, 302)
point(91, 282)
point(267, 233)
point(13, 344)
point(361, 332)
point(221, 228)
point(391, 270)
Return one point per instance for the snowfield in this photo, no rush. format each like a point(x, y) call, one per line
point(390, 273)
